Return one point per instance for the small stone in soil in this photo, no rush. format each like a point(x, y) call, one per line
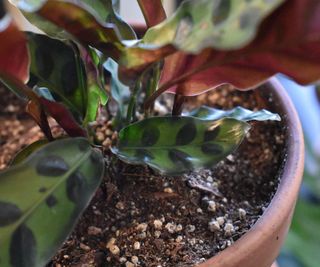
point(136, 245)
point(171, 227)
point(229, 229)
point(212, 206)
point(221, 220)
point(134, 259)
point(214, 226)
point(157, 224)
point(92, 230)
point(242, 214)
point(142, 227)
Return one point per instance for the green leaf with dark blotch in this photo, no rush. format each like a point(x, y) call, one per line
point(220, 24)
point(175, 145)
point(27, 151)
point(55, 64)
point(42, 198)
point(119, 91)
point(238, 113)
point(84, 25)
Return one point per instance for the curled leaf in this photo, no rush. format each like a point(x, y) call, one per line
point(175, 145)
point(238, 113)
point(277, 48)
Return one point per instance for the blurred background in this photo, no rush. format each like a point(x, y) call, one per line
point(302, 247)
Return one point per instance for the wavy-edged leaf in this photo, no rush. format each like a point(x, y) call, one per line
point(220, 24)
point(153, 11)
point(42, 198)
point(106, 12)
point(278, 47)
point(27, 151)
point(58, 68)
point(175, 145)
point(119, 91)
point(238, 113)
point(14, 57)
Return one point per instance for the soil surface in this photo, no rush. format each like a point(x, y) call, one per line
point(138, 218)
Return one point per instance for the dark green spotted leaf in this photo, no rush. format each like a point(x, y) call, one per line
point(220, 24)
point(238, 113)
point(175, 145)
point(51, 189)
point(58, 68)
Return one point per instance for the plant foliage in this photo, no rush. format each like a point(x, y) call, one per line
point(51, 189)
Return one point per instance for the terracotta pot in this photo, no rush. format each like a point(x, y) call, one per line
point(260, 246)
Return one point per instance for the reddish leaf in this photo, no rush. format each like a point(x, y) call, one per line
point(38, 114)
point(153, 11)
point(288, 42)
point(14, 57)
point(63, 117)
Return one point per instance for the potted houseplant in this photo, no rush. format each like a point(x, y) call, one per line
point(203, 45)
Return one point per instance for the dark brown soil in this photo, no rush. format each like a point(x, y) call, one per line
point(138, 218)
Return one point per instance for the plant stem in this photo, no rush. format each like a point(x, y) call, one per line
point(178, 105)
point(153, 85)
point(132, 103)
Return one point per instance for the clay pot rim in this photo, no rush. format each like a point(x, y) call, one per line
point(285, 197)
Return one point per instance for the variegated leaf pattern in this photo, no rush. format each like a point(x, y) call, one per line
point(238, 113)
point(57, 66)
point(41, 199)
point(175, 145)
point(220, 24)
point(198, 24)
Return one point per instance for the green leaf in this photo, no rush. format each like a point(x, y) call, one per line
point(175, 145)
point(27, 151)
point(220, 24)
point(106, 12)
point(59, 68)
point(119, 91)
point(238, 113)
point(95, 97)
point(42, 198)
point(95, 83)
